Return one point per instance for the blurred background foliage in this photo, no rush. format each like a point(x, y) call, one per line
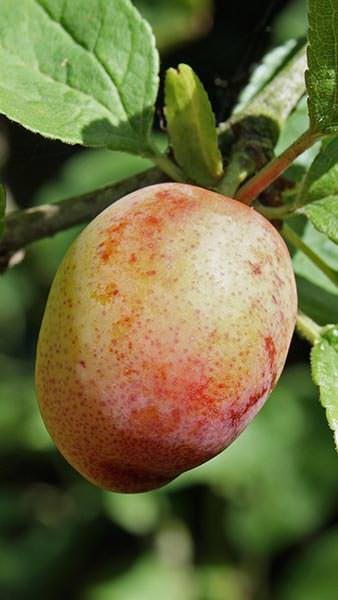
point(258, 522)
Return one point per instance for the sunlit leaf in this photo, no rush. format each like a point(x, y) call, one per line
point(323, 214)
point(82, 71)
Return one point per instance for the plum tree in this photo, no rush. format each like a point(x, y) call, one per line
point(167, 326)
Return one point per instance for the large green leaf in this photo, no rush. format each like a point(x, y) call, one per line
point(323, 214)
point(324, 362)
point(83, 71)
point(191, 126)
point(322, 74)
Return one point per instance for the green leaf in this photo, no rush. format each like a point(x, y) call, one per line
point(326, 249)
point(322, 177)
point(191, 126)
point(318, 296)
point(323, 214)
point(324, 362)
point(82, 71)
point(322, 74)
point(2, 208)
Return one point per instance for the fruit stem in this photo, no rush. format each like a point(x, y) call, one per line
point(308, 328)
point(237, 171)
point(165, 164)
point(250, 190)
point(291, 236)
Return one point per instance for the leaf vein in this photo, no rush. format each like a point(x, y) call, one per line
point(91, 53)
point(67, 86)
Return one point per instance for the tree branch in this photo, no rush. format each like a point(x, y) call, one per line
point(25, 226)
point(256, 127)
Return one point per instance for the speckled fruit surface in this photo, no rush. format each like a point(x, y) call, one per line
point(167, 325)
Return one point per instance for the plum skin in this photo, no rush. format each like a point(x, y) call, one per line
point(167, 325)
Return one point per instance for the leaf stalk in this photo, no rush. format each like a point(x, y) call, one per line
point(308, 328)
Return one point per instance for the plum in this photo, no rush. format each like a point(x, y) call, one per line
point(167, 326)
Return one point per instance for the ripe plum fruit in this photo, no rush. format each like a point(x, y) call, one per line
point(167, 326)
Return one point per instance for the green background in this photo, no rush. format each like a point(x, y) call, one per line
point(258, 522)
